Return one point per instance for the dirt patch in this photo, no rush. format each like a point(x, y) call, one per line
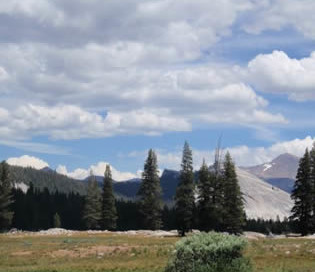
point(21, 253)
point(88, 251)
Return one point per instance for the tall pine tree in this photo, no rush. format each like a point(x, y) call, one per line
point(233, 207)
point(184, 198)
point(206, 207)
point(6, 200)
point(92, 212)
point(312, 162)
point(150, 203)
point(302, 196)
point(109, 212)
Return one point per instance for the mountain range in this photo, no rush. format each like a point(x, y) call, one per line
point(265, 187)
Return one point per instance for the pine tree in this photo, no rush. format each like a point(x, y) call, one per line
point(6, 198)
point(233, 206)
point(150, 203)
point(184, 198)
point(302, 196)
point(312, 162)
point(57, 221)
point(109, 212)
point(206, 206)
point(92, 212)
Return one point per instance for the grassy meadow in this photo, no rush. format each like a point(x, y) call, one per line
point(125, 253)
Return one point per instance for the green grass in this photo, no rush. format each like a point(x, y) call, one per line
point(122, 253)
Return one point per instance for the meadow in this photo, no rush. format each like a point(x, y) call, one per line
point(90, 252)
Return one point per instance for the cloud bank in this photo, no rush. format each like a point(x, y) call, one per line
point(76, 69)
point(28, 161)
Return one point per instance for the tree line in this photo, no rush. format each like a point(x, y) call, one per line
point(210, 200)
point(215, 203)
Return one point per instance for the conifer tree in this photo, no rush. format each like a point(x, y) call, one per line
point(57, 221)
point(302, 196)
point(150, 203)
point(92, 212)
point(233, 207)
point(206, 206)
point(312, 162)
point(6, 199)
point(109, 212)
point(184, 198)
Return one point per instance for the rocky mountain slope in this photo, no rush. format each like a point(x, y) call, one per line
point(263, 200)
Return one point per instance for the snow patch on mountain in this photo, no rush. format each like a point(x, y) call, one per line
point(22, 186)
point(267, 166)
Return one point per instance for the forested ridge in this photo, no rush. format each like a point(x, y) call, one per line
point(46, 178)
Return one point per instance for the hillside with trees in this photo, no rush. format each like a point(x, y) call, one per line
point(46, 178)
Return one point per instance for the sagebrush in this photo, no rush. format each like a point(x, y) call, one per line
point(209, 252)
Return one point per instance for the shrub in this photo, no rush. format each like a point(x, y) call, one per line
point(209, 252)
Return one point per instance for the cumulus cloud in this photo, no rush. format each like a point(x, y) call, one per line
point(72, 122)
point(74, 70)
point(278, 73)
point(279, 14)
point(98, 170)
point(136, 100)
point(173, 30)
point(28, 161)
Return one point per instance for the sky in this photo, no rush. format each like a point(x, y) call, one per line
point(86, 83)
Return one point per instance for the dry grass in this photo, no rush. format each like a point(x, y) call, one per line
point(125, 253)
point(283, 255)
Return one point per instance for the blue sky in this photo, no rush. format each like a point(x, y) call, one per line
point(85, 83)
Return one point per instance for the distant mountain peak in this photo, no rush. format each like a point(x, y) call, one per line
point(280, 172)
point(283, 166)
point(285, 157)
point(47, 169)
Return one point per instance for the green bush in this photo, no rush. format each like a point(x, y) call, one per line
point(209, 252)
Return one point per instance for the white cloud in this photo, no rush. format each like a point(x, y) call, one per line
point(72, 122)
point(150, 74)
point(98, 170)
point(28, 161)
point(278, 73)
point(280, 14)
point(166, 29)
point(137, 100)
point(3, 74)
point(44, 11)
